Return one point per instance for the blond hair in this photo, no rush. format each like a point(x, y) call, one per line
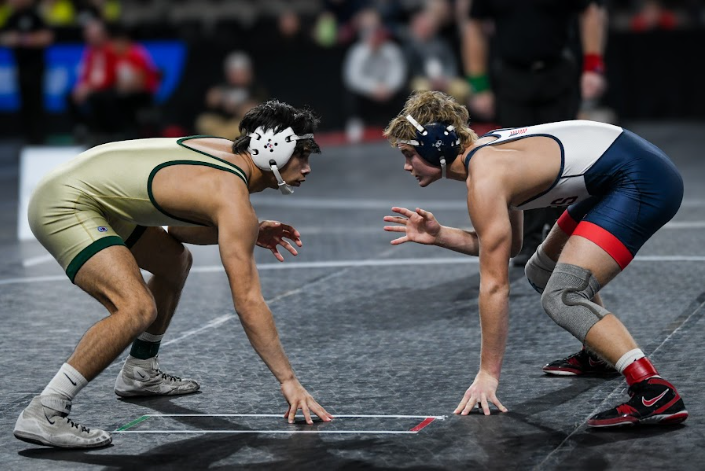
point(428, 107)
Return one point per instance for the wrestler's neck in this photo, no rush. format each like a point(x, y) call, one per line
point(457, 170)
point(257, 179)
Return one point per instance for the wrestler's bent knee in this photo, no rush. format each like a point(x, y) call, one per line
point(140, 314)
point(538, 269)
point(567, 299)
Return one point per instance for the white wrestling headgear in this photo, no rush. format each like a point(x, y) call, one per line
point(271, 151)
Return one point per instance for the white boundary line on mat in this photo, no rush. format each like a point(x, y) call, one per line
point(279, 432)
point(357, 263)
point(423, 425)
point(337, 416)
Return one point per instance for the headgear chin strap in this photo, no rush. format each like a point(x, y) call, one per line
point(436, 143)
point(271, 151)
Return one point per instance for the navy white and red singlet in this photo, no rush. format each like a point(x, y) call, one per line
point(619, 188)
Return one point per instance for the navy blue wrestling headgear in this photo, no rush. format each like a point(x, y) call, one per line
point(437, 143)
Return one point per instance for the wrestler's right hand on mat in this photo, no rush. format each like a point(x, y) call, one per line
point(481, 392)
point(298, 398)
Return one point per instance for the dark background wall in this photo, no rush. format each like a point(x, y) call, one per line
point(654, 75)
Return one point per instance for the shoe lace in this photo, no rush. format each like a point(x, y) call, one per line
point(168, 377)
point(78, 426)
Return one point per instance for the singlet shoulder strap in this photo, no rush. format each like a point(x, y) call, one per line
point(489, 134)
point(230, 167)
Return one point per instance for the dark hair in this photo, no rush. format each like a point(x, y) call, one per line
point(277, 115)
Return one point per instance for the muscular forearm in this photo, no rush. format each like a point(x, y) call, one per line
point(262, 333)
point(458, 240)
point(494, 323)
point(474, 49)
point(593, 24)
point(194, 235)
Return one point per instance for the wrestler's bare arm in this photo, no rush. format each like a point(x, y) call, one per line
point(271, 236)
point(516, 219)
point(236, 240)
point(194, 235)
point(490, 215)
point(492, 223)
point(421, 226)
point(237, 236)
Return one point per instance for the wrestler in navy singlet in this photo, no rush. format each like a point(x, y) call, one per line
point(619, 188)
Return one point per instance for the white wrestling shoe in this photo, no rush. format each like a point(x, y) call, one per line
point(45, 422)
point(144, 378)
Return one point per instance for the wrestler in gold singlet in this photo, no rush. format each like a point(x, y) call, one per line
point(103, 197)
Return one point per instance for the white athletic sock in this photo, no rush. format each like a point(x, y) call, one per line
point(628, 358)
point(147, 337)
point(67, 383)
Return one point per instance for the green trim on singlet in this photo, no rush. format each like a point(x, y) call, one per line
point(85, 254)
point(183, 139)
point(135, 236)
point(181, 162)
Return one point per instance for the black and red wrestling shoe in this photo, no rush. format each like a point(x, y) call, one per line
point(653, 401)
point(581, 363)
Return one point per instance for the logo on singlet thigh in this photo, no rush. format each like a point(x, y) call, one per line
point(102, 229)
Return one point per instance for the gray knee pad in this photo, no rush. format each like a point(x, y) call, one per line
point(538, 269)
point(567, 299)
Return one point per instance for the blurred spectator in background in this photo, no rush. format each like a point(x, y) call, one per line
point(93, 102)
point(106, 10)
point(58, 13)
point(653, 15)
point(5, 12)
point(227, 103)
point(338, 23)
point(374, 73)
point(431, 60)
point(535, 76)
point(289, 24)
point(26, 33)
point(335, 23)
point(443, 11)
point(137, 80)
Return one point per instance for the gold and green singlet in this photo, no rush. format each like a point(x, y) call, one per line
point(103, 197)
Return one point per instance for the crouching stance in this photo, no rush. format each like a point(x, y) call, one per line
point(618, 189)
point(100, 216)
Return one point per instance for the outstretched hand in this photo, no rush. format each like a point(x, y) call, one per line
point(419, 226)
point(299, 398)
point(481, 392)
point(272, 233)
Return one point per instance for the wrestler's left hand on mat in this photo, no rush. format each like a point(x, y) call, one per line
point(481, 393)
point(272, 233)
point(299, 398)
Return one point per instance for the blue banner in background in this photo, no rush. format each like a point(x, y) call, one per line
point(62, 65)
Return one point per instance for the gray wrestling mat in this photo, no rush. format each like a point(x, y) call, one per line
point(386, 338)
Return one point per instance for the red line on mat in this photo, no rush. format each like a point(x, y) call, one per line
point(423, 424)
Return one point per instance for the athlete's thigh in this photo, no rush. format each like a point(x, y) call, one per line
point(555, 241)
point(565, 226)
point(158, 252)
point(113, 278)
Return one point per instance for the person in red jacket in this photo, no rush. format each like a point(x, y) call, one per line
point(93, 102)
point(137, 78)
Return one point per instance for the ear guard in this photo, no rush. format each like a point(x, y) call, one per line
point(436, 143)
point(271, 151)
